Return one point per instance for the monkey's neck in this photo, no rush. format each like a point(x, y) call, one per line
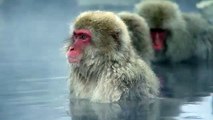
point(102, 64)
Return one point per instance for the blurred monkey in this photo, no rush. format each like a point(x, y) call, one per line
point(140, 35)
point(175, 37)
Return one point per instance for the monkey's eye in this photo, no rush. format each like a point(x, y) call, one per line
point(82, 36)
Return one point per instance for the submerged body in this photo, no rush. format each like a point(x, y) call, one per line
point(108, 69)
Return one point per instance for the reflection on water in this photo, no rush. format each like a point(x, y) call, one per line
point(31, 92)
point(186, 94)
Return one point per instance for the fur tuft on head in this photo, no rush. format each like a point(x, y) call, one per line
point(160, 13)
point(110, 36)
point(104, 23)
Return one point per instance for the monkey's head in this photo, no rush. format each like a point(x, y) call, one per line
point(97, 34)
point(163, 17)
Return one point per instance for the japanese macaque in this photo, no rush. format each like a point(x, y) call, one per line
point(140, 35)
point(104, 65)
point(175, 37)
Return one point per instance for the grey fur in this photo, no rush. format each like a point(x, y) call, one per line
point(202, 33)
point(186, 39)
point(140, 35)
point(110, 70)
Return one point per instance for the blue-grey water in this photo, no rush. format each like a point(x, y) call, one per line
point(33, 70)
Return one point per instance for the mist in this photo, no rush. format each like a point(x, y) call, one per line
point(33, 32)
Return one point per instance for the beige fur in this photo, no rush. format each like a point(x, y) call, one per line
point(140, 35)
point(110, 70)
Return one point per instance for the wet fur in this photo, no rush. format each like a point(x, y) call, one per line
point(110, 70)
point(140, 35)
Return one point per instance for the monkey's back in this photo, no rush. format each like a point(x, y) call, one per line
point(145, 84)
point(140, 35)
point(202, 34)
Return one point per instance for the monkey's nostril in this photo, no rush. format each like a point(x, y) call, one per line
point(71, 49)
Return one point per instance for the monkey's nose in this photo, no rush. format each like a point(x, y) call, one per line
point(71, 49)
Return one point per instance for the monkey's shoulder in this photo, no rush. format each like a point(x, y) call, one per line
point(195, 23)
point(134, 70)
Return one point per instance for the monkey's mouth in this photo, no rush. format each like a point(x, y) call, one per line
point(158, 38)
point(76, 59)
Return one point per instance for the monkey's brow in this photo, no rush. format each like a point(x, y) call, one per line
point(78, 33)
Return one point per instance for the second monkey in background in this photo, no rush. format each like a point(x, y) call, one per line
point(175, 37)
point(140, 35)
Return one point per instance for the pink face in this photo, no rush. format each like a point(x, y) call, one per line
point(158, 39)
point(81, 39)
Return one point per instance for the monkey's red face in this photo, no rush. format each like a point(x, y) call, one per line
point(158, 39)
point(81, 38)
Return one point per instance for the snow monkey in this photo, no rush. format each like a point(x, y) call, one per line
point(140, 35)
point(104, 65)
point(175, 37)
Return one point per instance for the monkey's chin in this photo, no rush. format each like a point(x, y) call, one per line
point(74, 61)
point(75, 65)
